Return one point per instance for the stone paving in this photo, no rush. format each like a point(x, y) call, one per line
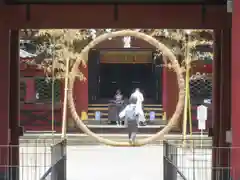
point(115, 163)
point(97, 162)
point(100, 162)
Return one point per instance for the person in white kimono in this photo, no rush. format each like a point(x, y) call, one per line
point(139, 108)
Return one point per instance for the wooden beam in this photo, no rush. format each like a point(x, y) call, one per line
point(102, 16)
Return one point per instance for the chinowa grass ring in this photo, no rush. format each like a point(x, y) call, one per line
point(174, 65)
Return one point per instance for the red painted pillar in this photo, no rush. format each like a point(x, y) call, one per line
point(30, 90)
point(80, 95)
point(216, 99)
point(164, 87)
point(235, 91)
point(81, 91)
point(4, 96)
point(221, 103)
point(172, 92)
point(14, 108)
point(225, 112)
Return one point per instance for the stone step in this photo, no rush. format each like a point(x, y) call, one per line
point(106, 122)
point(105, 105)
point(47, 139)
point(103, 108)
point(106, 108)
point(106, 114)
point(92, 118)
point(113, 129)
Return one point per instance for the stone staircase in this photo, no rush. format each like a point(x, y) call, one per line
point(103, 109)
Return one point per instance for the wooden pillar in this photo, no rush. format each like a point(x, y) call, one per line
point(221, 106)
point(216, 97)
point(172, 92)
point(30, 90)
point(235, 91)
point(14, 109)
point(81, 91)
point(80, 94)
point(164, 89)
point(225, 104)
point(4, 96)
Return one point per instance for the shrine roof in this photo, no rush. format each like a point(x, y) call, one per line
point(24, 54)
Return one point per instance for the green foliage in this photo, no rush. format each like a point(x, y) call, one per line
point(57, 46)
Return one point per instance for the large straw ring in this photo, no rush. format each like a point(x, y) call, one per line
point(175, 65)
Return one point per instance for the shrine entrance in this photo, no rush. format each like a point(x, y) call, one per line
point(124, 70)
point(126, 77)
point(126, 16)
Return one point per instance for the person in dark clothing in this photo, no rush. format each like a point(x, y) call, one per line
point(119, 104)
point(131, 119)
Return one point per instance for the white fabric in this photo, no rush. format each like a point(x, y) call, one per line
point(140, 100)
point(139, 109)
point(202, 125)
point(123, 112)
point(141, 118)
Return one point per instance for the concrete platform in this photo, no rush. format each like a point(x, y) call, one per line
point(111, 129)
point(83, 139)
point(105, 121)
point(100, 162)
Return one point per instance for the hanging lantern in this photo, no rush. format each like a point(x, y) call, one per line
point(229, 6)
point(127, 42)
point(152, 116)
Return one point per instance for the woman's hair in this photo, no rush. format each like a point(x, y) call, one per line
point(118, 91)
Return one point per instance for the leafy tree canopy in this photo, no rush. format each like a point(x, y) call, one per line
point(57, 46)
